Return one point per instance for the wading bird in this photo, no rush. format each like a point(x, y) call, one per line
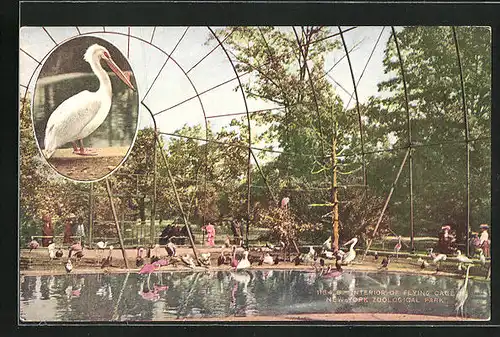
point(385, 262)
point(482, 258)
point(52, 251)
point(284, 202)
point(268, 259)
point(80, 115)
point(462, 294)
point(234, 261)
point(437, 259)
point(171, 248)
point(205, 259)
point(59, 253)
point(222, 258)
point(148, 269)
point(423, 264)
point(100, 248)
point(139, 260)
point(244, 263)
point(106, 262)
point(68, 266)
point(375, 256)
point(397, 247)
point(33, 245)
point(188, 261)
point(462, 259)
point(351, 254)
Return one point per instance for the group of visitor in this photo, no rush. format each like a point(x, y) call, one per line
point(447, 240)
point(71, 229)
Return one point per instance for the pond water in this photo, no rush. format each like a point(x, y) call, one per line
point(129, 297)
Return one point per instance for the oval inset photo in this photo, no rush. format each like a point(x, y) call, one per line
point(85, 108)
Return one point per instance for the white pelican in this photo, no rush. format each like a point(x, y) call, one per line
point(351, 254)
point(244, 263)
point(268, 259)
point(80, 115)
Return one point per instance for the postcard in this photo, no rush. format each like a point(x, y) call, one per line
point(254, 173)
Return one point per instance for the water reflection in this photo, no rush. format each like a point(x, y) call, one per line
point(244, 293)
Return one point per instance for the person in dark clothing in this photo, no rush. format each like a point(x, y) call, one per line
point(47, 230)
point(236, 229)
point(446, 241)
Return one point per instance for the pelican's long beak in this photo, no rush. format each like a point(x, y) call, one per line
point(121, 75)
point(348, 242)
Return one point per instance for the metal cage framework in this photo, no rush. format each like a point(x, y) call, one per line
point(247, 112)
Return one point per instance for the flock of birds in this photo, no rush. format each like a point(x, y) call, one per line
point(240, 259)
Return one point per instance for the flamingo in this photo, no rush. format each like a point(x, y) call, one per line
point(234, 261)
point(397, 247)
point(462, 294)
point(284, 202)
point(80, 115)
point(76, 247)
point(351, 254)
point(244, 263)
point(148, 268)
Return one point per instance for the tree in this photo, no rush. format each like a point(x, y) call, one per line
point(434, 92)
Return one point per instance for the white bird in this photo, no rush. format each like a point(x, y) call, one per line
point(423, 264)
point(327, 245)
point(68, 266)
point(102, 245)
point(268, 259)
point(351, 254)
point(463, 258)
point(171, 248)
point(80, 115)
point(482, 258)
point(52, 251)
point(462, 294)
point(244, 263)
point(439, 258)
point(205, 259)
point(188, 260)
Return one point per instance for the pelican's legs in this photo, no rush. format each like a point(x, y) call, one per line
point(83, 151)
